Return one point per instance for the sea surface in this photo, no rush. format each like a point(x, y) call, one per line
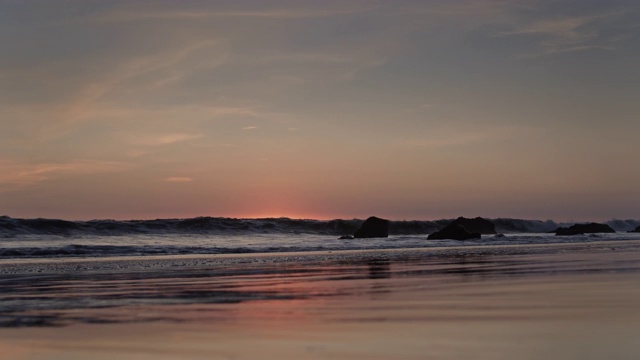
point(49, 238)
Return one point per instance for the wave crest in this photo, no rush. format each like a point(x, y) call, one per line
point(10, 227)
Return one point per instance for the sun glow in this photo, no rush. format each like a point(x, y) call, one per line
point(281, 214)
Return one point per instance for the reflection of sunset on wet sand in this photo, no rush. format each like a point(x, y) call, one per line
point(485, 303)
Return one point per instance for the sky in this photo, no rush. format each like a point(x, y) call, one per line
point(320, 109)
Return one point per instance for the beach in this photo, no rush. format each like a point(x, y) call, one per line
point(559, 301)
point(282, 180)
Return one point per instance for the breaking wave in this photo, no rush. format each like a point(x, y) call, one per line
point(10, 227)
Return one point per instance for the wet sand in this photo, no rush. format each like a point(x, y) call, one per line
point(574, 301)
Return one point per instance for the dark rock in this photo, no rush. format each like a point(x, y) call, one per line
point(479, 225)
point(454, 231)
point(345, 237)
point(579, 229)
point(373, 227)
point(637, 230)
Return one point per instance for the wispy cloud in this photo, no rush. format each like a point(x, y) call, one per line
point(99, 94)
point(16, 174)
point(81, 105)
point(163, 139)
point(566, 34)
point(178, 179)
point(453, 137)
point(216, 111)
point(132, 14)
point(249, 128)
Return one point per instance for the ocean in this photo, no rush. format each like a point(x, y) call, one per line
point(49, 238)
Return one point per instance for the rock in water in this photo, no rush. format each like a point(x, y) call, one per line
point(454, 231)
point(479, 225)
point(579, 229)
point(637, 230)
point(345, 237)
point(373, 227)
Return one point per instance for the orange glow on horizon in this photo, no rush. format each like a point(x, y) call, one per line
point(282, 214)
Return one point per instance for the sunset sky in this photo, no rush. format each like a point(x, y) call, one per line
point(320, 109)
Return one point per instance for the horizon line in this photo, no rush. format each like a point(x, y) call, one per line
point(312, 219)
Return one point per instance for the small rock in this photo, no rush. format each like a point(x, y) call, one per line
point(454, 231)
point(579, 229)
